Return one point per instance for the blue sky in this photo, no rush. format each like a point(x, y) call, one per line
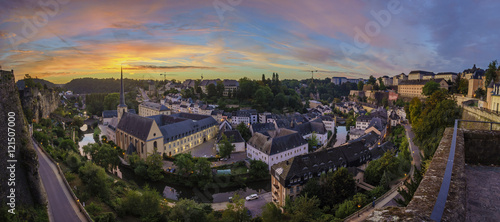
point(59, 40)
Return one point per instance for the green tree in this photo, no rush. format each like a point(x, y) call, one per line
point(430, 87)
point(376, 168)
point(381, 84)
point(211, 90)
point(225, 147)
point(95, 179)
point(463, 86)
point(312, 188)
point(491, 73)
point(203, 169)
point(271, 213)
point(28, 81)
point(371, 80)
point(103, 155)
point(77, 121)
point(73, 160)
point(360, 85)
point(68, 144)
point(111, 101)
point(189, 210)
point(480, 93)
point(258, 169)
point(415, 110)
point(244, 131)
point(338, 186)
point(155, 166)
point(411, 187)
point(280, 101)
point(236, 210)
point(184, 163)
point(313, 142)
point(345, 209)
point(220, 88)
point(305, 208)
point(262, 98)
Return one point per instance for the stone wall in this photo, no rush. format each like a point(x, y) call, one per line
point(40, 102)
point(482, 147)
point(28, 187)
point(422, 204)
point(473, 113)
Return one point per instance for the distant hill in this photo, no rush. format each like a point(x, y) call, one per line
point(92, 85)
point(20, 83)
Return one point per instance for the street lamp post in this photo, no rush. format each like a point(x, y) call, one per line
point(359, 206)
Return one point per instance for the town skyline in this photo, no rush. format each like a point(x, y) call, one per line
point(233, 39)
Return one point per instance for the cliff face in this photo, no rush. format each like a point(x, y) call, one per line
point(20, 152)
point(39, 103)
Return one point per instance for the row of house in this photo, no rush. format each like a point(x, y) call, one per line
point(285, 137)
point(289, 177)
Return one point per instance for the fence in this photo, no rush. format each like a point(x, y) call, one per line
point(82, 209)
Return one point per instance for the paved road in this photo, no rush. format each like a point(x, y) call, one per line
point(415, 152)
point(61, 206)
point(389, 200)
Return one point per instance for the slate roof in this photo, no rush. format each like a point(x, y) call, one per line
point(419, 81)
point(446, 73)
point(310, 127)
point(135, 125)
point(368, 139)
point(308, 164)
point(275, 145)
point(377, 123)
point(379, 150)
point(180, 125)
point(234, 134)
point(353, 152)
point(421, 72)
point(230, 82)
point(114, 113)
point(155, 106)
point(109, 113)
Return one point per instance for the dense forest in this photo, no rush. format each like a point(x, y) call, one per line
point(91, 85)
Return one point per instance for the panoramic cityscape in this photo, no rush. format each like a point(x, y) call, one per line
point(234, 110)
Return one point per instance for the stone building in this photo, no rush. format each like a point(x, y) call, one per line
point(151, 109)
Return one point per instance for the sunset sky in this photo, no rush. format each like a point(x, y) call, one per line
point(65, 39)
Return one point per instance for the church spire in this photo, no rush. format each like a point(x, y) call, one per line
point(122, 108)
point(122, 94)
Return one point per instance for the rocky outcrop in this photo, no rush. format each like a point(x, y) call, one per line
point(14, 128)
point(39, 103)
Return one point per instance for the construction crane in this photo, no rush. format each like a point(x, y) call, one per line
point(312, 74)
point(164, 76)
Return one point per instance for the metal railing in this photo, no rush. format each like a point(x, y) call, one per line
point(439, 206)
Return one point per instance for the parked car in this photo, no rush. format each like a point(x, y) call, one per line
point(252, 197)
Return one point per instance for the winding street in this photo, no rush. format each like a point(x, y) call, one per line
point(415, 152)
point(61, 206)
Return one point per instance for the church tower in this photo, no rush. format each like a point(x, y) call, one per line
point(122, 108)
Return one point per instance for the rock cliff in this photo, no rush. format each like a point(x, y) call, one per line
point(39, 103)
point(14, 128)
